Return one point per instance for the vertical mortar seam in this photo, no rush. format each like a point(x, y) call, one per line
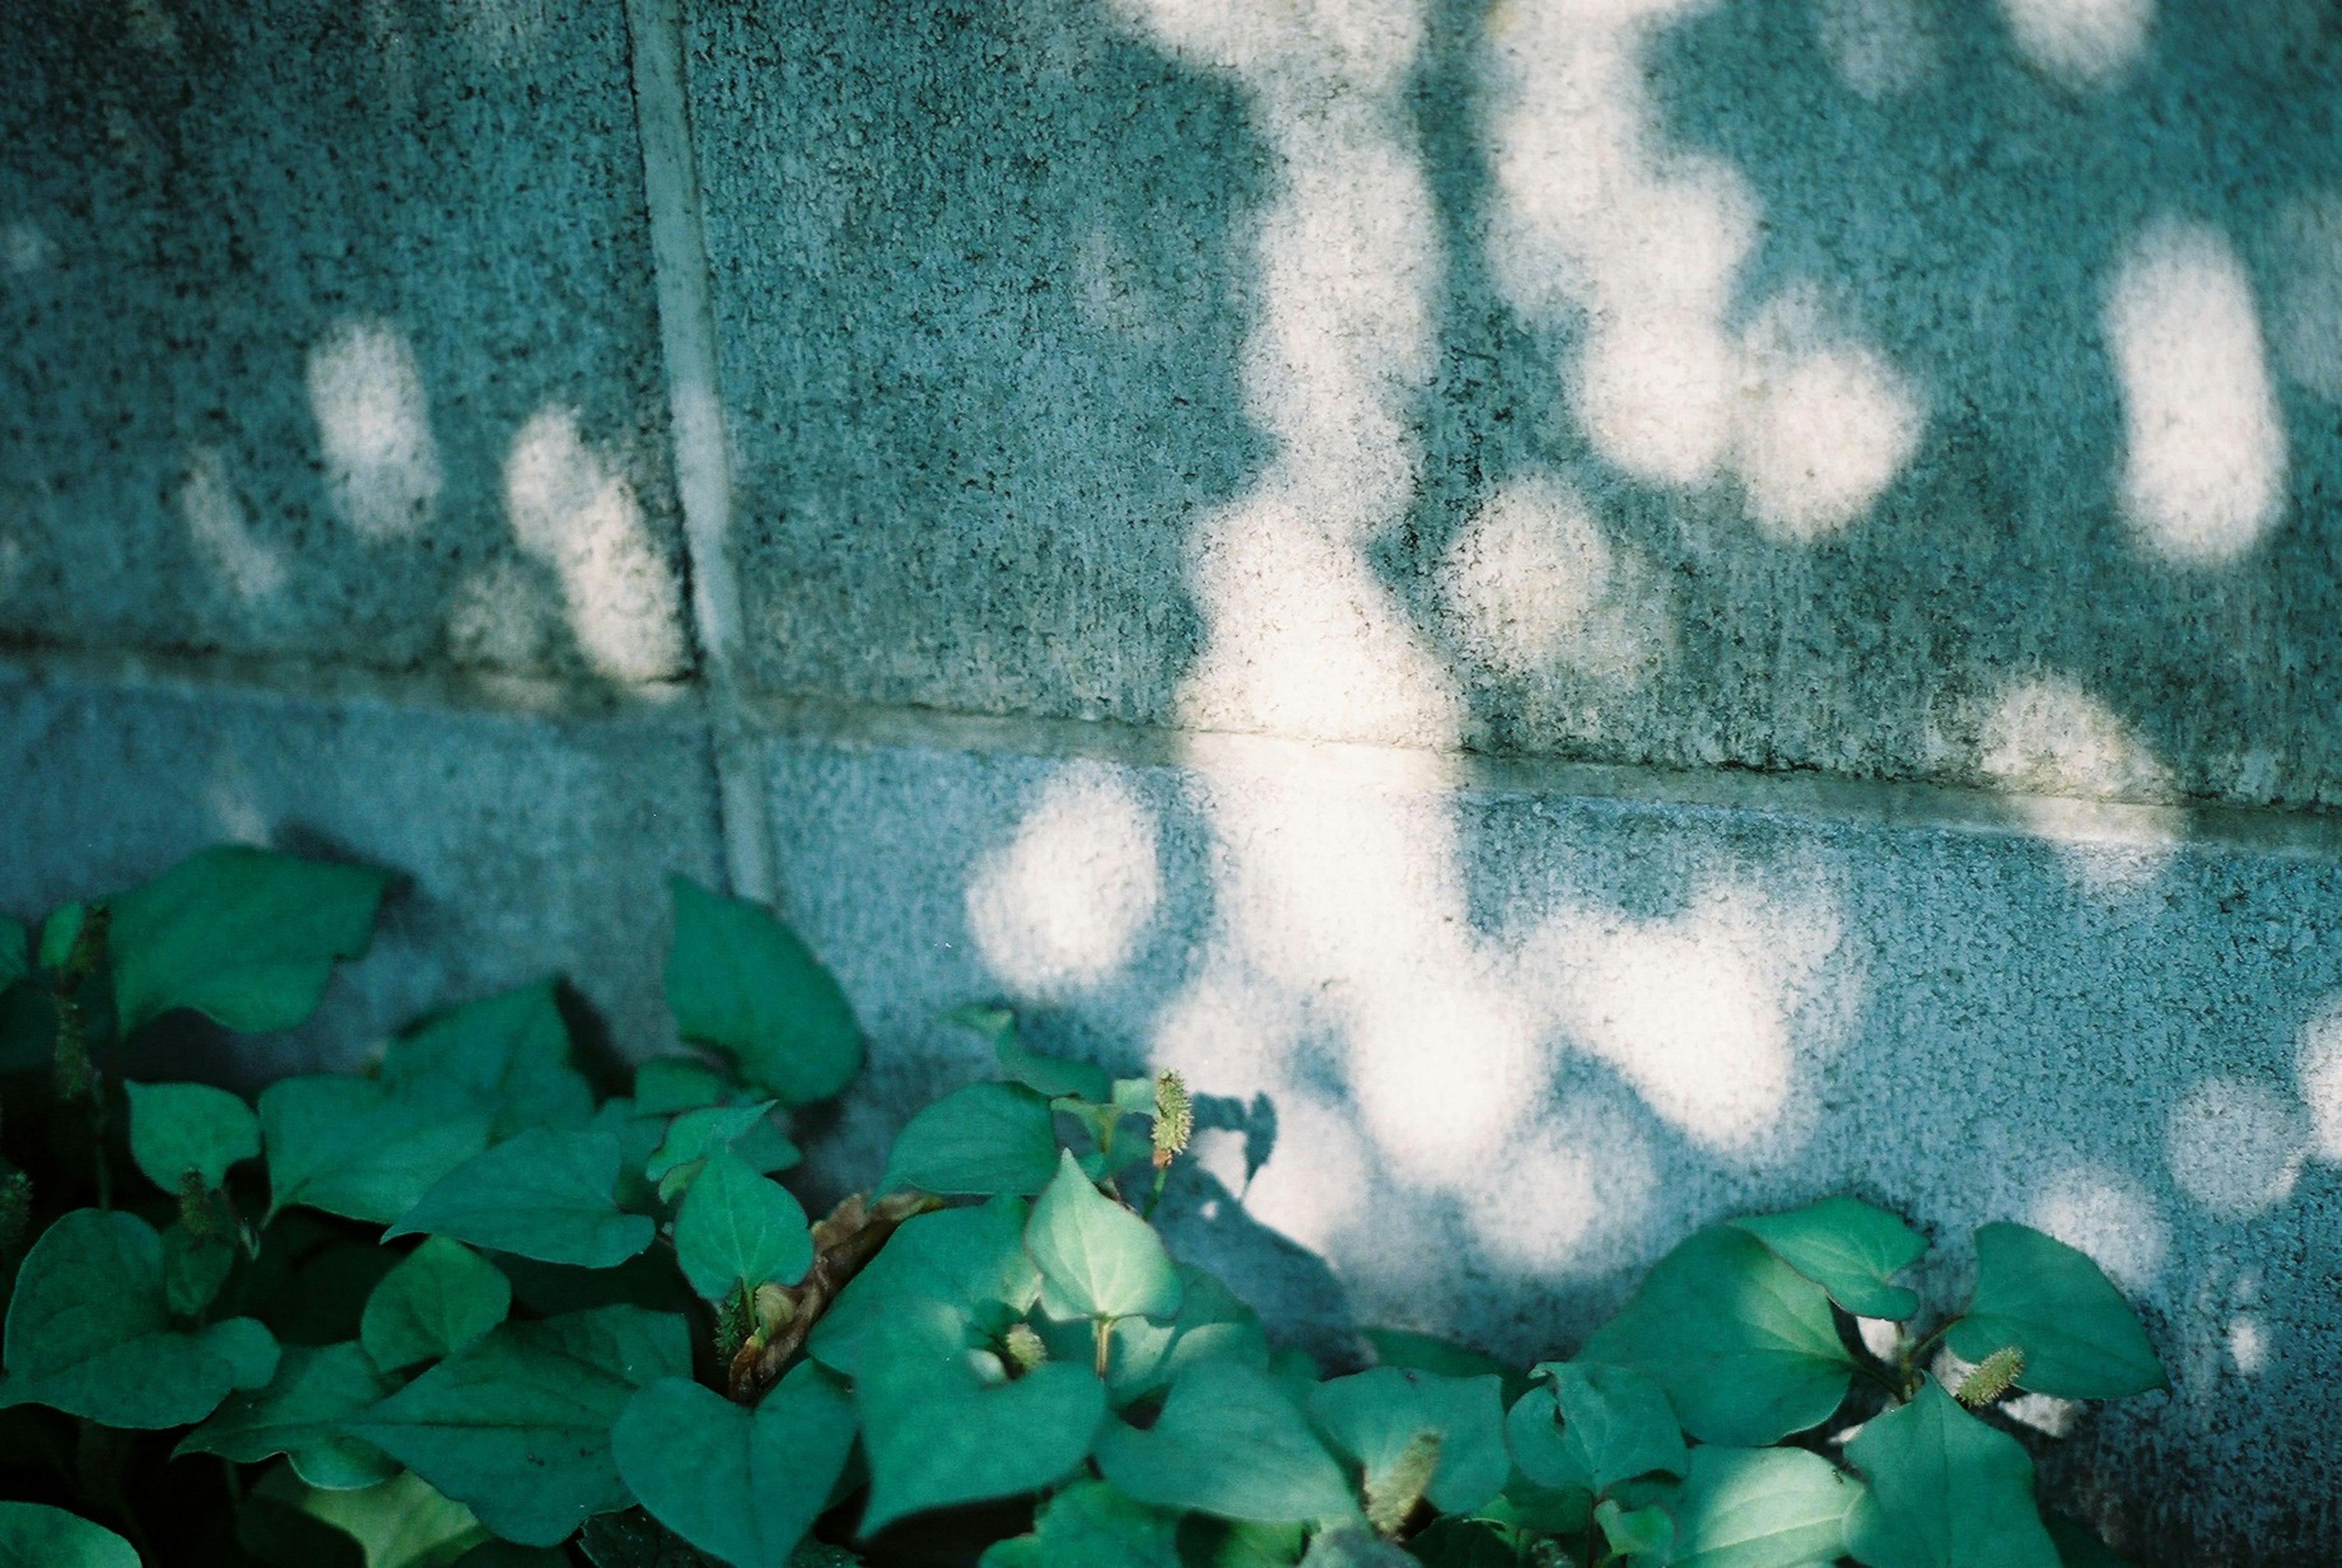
point(696, 431)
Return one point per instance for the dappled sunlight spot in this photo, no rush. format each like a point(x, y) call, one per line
point(1880, 48)
point(495, 617)
point(1230, 1032)
point(1655, 390)
point(2108, 1215)
point(24, 249)
point(150, 26)
point(1538, 588)
point(2235, 1146)
point(570, 508)
point(1364, 45)
point(504, 32)
point(2049, 736)
point(2306, 318)
point(373, 428)
point(1827, 425)
point(2081, 43)
point(232, 800)
point(1059, 907)
point(2205, 457)
point(2248, 1346)
point(220, 532)
point(1317, 1183)
point(1582, 1176)
point(2317, 1069)
point(1441, 1075)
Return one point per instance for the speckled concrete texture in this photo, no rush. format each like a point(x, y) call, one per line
point(328, 330)
point(1891, 389)
point(530, 846)
point(1488, 1053)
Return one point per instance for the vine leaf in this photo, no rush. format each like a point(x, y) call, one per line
point(978, 1140)
point(175, 1128)
point(35, 1535)
point(539, 1195)
point(736, 1227)
point(740, 980)
point(2080, 1338)
point(742, 1484)
point(352, 1147)
point(1945, 1492)
point(1097, 1259)
point(509, 1051)
point(1849, 1248)
point(1762, 1508)
point(439, 1298)
point(299, 1415)
point(1230, 1442)
point(1374, 1417)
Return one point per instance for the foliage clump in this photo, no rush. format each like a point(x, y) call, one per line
point(464, 1307)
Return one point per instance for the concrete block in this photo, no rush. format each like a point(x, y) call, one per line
point(328, 330)
point(1850, 388)
point(1486, 1050)
point(531, 845)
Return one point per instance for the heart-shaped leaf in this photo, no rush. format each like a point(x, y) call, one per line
point(945, 1437)
point(980, 1140)
point(1617, 1422)
point(1743, 1343)
point(667, 1084)
point(2080, 1338)
point(1145, 1355)
point(1375, 1416)
point(352, 1147)
point(35, 1535)
point(440, 1298)
point(694, 1134)
point(244, 936)
point(1097, 1259)
point(1945, 1492)
point(736, 1228)
point(194, 1269)
point(946, 1282)
point(175, 1128)
point(299, 1415)
point(509, 1051)
point(89, 1332)
point(739, 980)
point(1849, 1249)
point(539, 1195)
point(1051, 1077)
point(1089, 1524)
point(743, 1484)
point(1762, 1508)
point(517, 1425)
point(1638, 1538)
point(403, 1523)
point(1229, 1442)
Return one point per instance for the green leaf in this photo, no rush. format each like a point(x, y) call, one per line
point(510, 1052)
point(984, 1139)
point(1090, 1524)
point(2080, 1338)
point(403, 1523)
point(16, 952)
point(194, 1269)
point(1945, 1492)
point(695, 1134)
point(1051, 1077)
point(1645, 1536)
point(1143, 1355)
point(739, 980)
point(1743, 1343)
point(539, 1195)
point(1849, 1249)
point(736, 1228)
point(1762, 1508)
point(1097, 1258)
point(1617, 1422)
point(1427, 1353)
point(351, 1147)
point(743, 1484)
point(667, 1084)
point(175, 1128)
point(1545, 1454)
point(89, 1332)
point(631, 1538)
point(35, 1535)
point(2078, 1546)
point(244, 936)
point(59, 933)
point(440, 1298)
point(944, 1282)
point(517, 1425)
point(940, 1437)
point(299, 1415)
point(1373, 1417)
point(1228, 1441)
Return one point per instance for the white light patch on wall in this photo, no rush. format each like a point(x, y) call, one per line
point(1583, 1176)
point(24, 249)
point(2307, 320)
point(1826, 424)
point(373, 429)
point(1441, 1076)
point(2081, 43)
point(1880, 48)
point(570, 507)
point(495, 616)
point(220, 532)
point(2049, 736)
point(1060, 907)
point(2318, 1075)
point(1320, 1177)
point(2203, 469)
point(1537, 587)
point(1600, 221)
point(2235, 1146)
point(2108, 1215)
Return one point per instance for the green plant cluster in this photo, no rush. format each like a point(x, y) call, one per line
point(462, 1307)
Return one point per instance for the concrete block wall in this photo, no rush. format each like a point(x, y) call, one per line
point(1594, 614)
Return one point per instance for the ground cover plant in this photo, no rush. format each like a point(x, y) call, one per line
point(467, 1307)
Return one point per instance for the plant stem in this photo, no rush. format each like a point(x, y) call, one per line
point(1104, 1337)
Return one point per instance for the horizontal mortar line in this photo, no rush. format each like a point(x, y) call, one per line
point(863, 726)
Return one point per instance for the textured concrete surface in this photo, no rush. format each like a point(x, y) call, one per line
point(1896, 390)
point(1488, 1053)
point(328, 330)
point(532, 845)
